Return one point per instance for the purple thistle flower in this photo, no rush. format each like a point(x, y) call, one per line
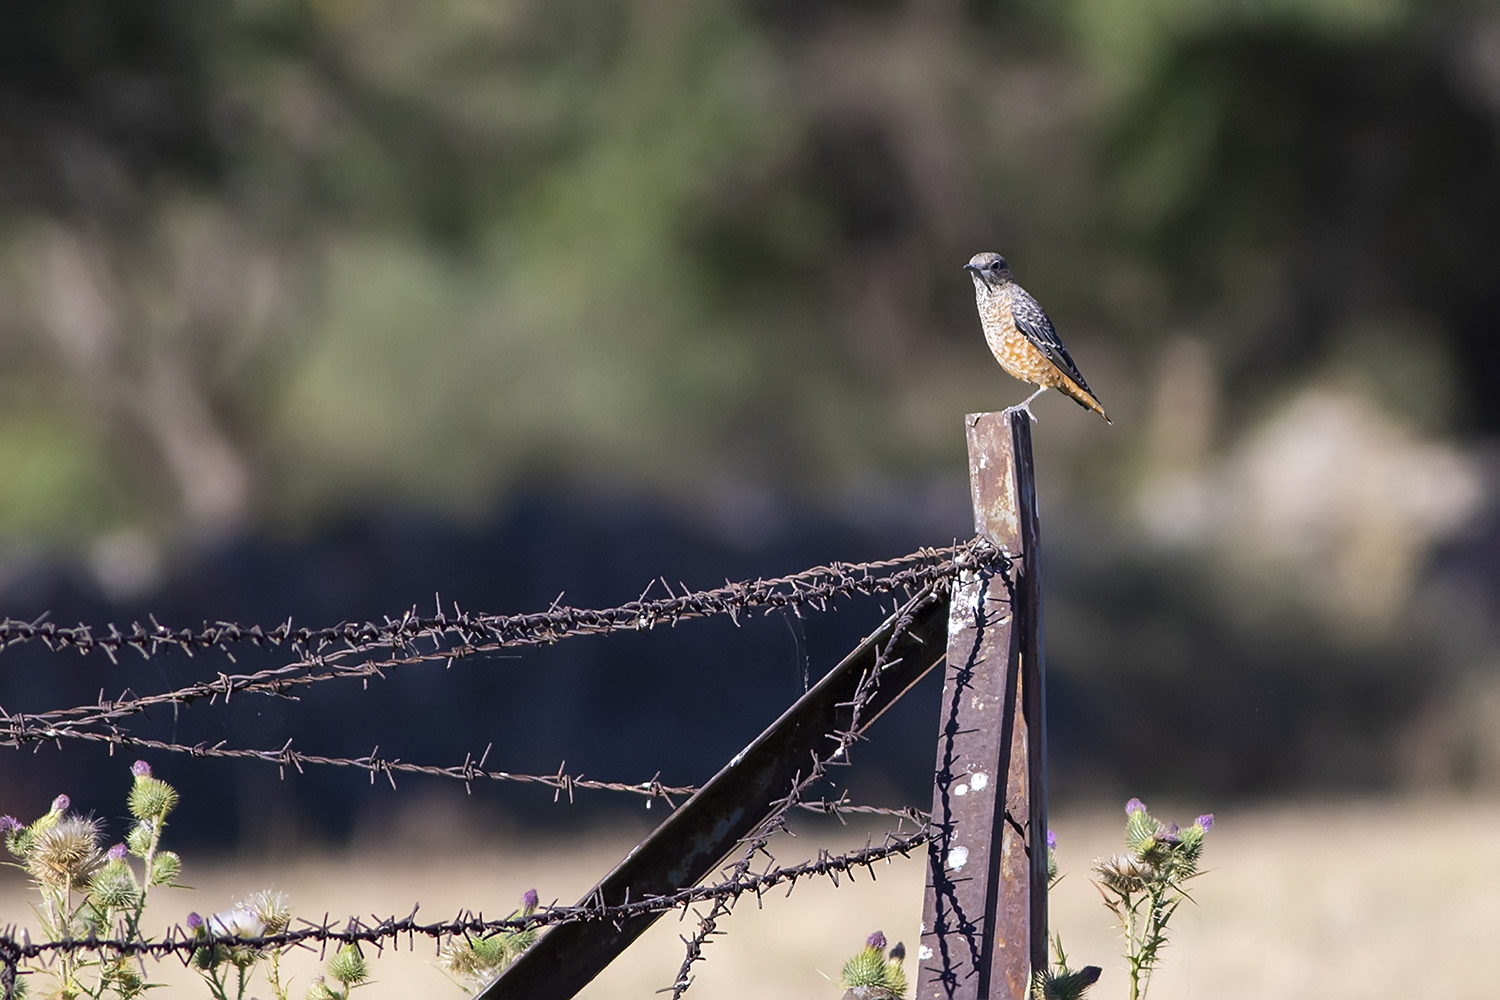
point(118, 852)
point(140, 769)
point(876, 941)
point(61, 803)
point(1206, 821)
point(1172, 834)
point(1134, 806)
point(194, 922)
point(529, 900)
point(9, 824)
point(1051, 840)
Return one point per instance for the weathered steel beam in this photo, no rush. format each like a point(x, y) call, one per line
point(698, 837)
point(984, 916)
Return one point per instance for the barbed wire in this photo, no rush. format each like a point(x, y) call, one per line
point(470, 771)
point(178, 941)
point(926, 573)
point(814, 586)
point(453, 637)
point(836, 756)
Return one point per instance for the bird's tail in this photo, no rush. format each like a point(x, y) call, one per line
point(1084, 398)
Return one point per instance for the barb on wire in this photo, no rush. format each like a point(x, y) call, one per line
point(453, 637)
point(810, 587)
point(470, 771)
point(837, 755)
point(182, 943)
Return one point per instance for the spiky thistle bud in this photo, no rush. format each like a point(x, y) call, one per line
point(124, 979)
point(476, 959)
point(1064, 984)
point(865, 968)
point(1143, 833)
point(151, 798)
point(869, 975)
point(17, 841)
point(140, 837)
point(320, 990)
point(66, 852)
point(113, 886)
point(348, 966)
point(165, 868)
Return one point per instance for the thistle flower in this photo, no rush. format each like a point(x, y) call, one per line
point(270, 909)
point(1205, 822)
point(194, 923)
point(1051, 840)
point(528, 901)
point(61, 804)
point(118, 852)
point(237, 921)
point(140, 769)
point(876, 941)
point(1134, 806)
point(66, 852)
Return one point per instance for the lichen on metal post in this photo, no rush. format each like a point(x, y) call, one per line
point(984, 914)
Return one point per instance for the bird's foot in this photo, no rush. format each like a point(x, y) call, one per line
point(1020, 408)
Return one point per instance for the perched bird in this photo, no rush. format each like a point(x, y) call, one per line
point(1021, 336)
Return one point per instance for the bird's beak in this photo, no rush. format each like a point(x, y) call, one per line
point(972, 267)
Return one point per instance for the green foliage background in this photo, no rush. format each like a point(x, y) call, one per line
point(266, 261)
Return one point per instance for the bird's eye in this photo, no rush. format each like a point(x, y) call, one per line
point(995, 266)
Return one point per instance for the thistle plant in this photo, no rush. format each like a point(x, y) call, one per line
point(1144, 886)
point(87, 891)
point(871, 974)
point(474, 962)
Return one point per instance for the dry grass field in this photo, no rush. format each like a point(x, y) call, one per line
point(1364, 900)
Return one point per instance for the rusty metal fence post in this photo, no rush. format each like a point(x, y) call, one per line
point(984, 916)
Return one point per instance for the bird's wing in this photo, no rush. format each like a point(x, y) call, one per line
point(1037, 328)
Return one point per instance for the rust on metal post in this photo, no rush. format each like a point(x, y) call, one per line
point(984, 917)
point(696, 838)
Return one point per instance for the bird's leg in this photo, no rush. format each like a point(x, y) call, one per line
point(1025, 406)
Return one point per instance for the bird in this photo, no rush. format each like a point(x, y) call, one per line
point(1022, 338)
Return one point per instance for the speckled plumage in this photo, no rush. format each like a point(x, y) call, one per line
point(1021, 336)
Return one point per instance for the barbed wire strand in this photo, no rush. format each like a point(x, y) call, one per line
point(180, 942)
point(815, 587)
point(810, 588)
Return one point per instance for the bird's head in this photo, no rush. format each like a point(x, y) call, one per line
point(989, 270)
